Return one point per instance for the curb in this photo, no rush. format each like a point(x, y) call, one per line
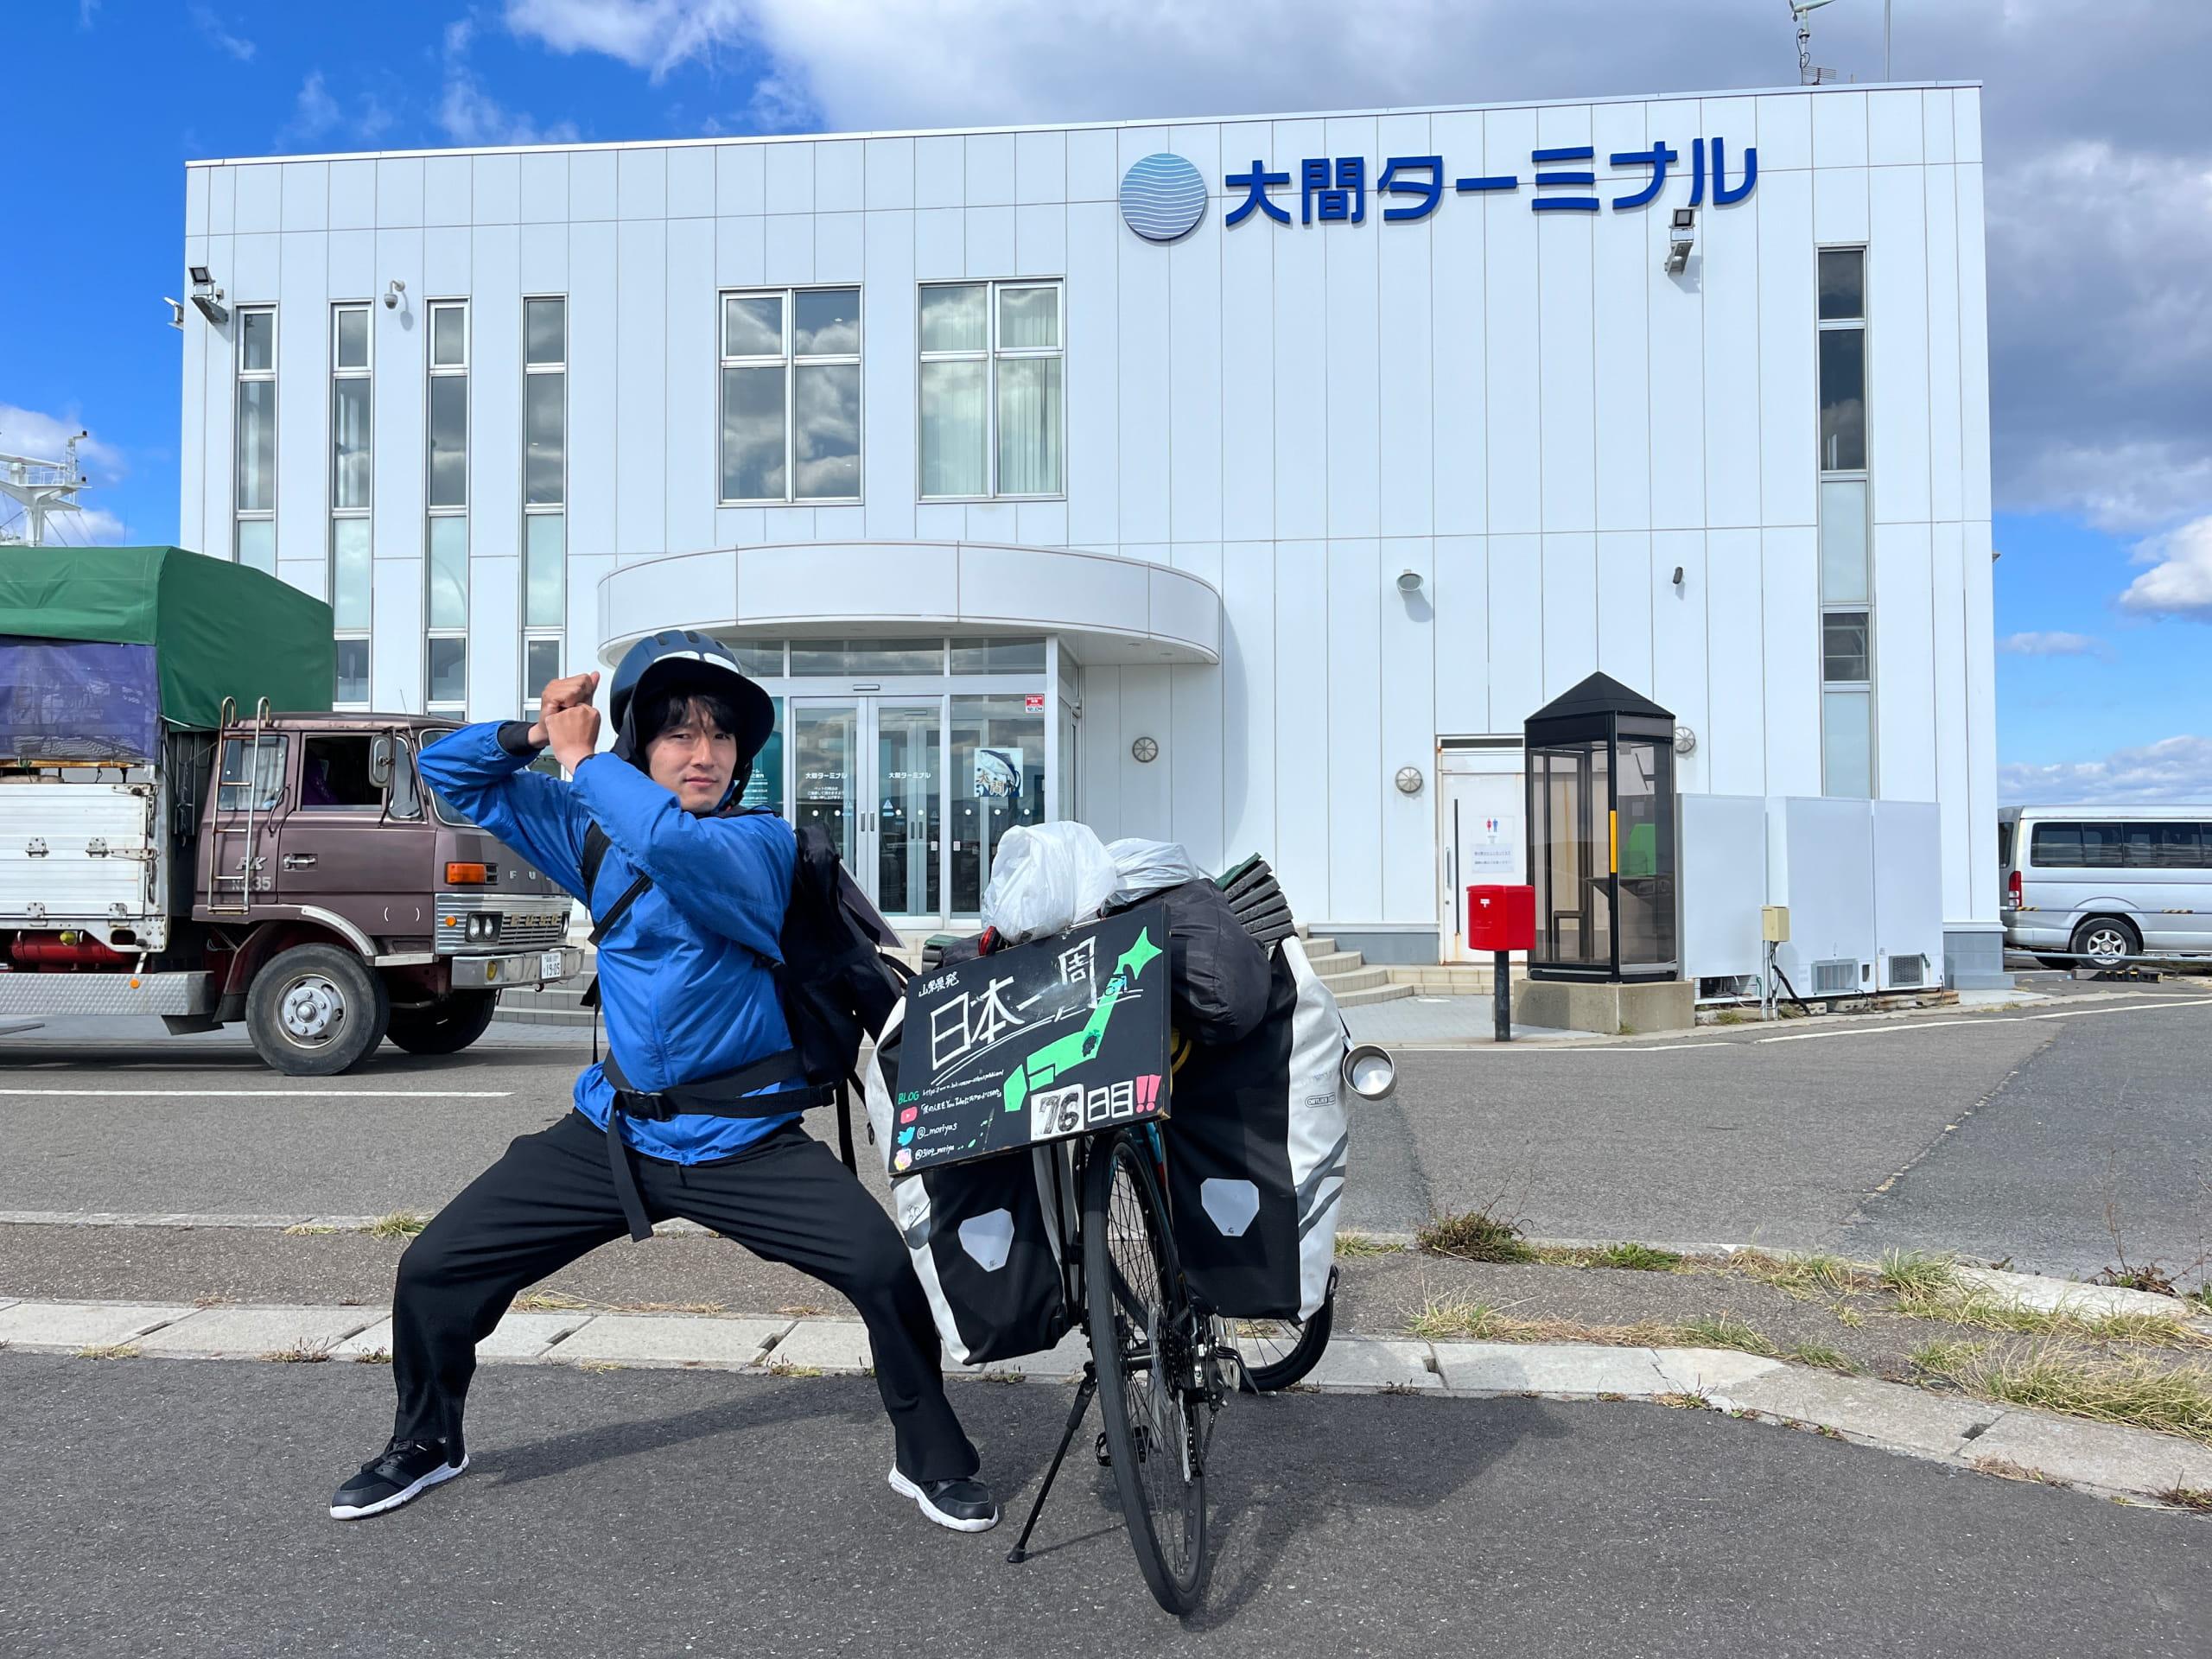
point(2133, 1464)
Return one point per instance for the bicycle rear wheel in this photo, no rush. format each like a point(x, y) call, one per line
point(1141, 1325)
point(1280, 1352)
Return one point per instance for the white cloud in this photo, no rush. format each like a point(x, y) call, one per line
point(2175, 769)
point(205, 21)
point(2097, 157)
point(2054, 645)
point(29, 432)
point(469, 115)
point(2179, 581)
point(317, 113)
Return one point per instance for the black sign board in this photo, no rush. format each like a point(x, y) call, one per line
point(1039, 1043)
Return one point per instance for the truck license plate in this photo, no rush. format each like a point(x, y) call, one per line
point(551, 966)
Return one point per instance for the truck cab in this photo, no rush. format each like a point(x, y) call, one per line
point(347, 849)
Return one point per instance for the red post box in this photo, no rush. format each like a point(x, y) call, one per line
point(1501, 917)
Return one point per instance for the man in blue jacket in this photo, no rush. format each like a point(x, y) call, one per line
point(688, 986)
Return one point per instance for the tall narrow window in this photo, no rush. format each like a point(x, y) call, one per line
point(1847, 591)
point(992, 363)
point(255, 541)
point(445, 643)
point(352, 476)
point(545, 494)
point(791, 394)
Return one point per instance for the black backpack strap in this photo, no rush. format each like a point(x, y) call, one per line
point(595, 845)
point(727, 1094)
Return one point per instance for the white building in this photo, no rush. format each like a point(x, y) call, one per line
point(1262, 537)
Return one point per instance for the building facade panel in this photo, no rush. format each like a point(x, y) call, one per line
point(1402, 462)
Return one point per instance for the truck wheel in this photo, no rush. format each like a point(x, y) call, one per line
point(315, 1010)
point(447, 1027)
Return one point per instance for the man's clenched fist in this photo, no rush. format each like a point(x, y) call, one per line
point(574, 733)
point(575, 691)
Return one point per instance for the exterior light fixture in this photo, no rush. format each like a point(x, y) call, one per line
point(1410, 780)
point(1681, 236)
point(1409, 582)
point(207, 297)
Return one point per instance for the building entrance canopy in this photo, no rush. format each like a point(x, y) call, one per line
point(1103, 609)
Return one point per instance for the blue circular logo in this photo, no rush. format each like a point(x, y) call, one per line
point(1162, 197)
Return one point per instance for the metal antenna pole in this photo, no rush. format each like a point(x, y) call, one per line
point(1885, 40)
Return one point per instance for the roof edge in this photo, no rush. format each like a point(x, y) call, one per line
point(1825, 88)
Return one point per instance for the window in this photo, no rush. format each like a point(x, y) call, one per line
point(791, 394)
point(255, 540)
point(263, 759)
point(992, 363)
point(545, 493)
point(2154, 845)
point(336, 774)
point(1847, 615)
point(352, 481)
point(445, 643)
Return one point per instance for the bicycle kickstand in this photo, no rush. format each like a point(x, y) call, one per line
point(1084, 1391)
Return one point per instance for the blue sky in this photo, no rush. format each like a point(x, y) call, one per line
point(2102, 352)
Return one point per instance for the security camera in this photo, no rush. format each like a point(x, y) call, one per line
point(391, 294)
point(1681, 236)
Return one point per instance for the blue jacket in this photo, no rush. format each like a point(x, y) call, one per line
point(684, 979)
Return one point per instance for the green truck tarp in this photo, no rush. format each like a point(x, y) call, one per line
point(219, 629)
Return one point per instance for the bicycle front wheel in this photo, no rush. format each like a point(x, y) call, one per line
point(1140, 1328)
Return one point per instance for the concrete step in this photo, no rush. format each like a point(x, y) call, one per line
point(1370, 995)
point(1357, 979)
point(1319, 947)
point(1451, 979)
point(1335, 961)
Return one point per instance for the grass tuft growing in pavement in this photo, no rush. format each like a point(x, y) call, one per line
point(109, 1350)
point(308, 1230)
point(374, 1357)
point(2006, 1469)
point(1475, 1235)
point(298, 1354)
point(1827, 1358)
point(1800, 1277)
point(400, 1223)
point(547, 1301)
point(2187, 1497)
point(2079, 1382)
point(1349, 1244)
point(1910, 1273)
point(1723, 1330)
point(1638, 1258)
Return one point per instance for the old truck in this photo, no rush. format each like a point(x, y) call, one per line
point(188, 829)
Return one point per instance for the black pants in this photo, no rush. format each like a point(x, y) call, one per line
point(551, 1198)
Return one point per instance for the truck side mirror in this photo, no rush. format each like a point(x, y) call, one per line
point(380, 762)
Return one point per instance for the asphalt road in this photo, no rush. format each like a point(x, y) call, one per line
point(2007, 1136)
point(175, 1508)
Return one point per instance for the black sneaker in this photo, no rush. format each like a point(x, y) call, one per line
point(402, 1472)
point(962, 1505)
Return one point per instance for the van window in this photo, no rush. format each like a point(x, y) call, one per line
point(2004, 829)
point(2057, 846)
point(2167, 846)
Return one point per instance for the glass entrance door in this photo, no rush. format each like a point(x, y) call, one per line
point(906, 823)
point(917, 789)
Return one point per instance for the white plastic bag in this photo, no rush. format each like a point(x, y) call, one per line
point(1046, 877)
point(1148, 867)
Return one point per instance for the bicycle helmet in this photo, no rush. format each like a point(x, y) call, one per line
point(679, 659)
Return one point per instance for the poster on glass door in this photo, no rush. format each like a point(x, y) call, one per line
point(998, 774)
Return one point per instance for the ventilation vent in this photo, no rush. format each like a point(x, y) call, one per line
point(1908, 971)
point(1838, 978)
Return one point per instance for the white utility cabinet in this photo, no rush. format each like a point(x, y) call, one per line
point(1907, 894)
point(1722, 849)
point(1820, 863)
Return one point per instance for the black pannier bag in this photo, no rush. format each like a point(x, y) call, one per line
point(1256, 1153)
point(982, 1234)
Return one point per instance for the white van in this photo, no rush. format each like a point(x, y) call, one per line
point(2100, 884)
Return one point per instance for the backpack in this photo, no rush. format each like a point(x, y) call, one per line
point(835, 985)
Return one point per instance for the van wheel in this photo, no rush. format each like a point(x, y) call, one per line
point(447, 1027)
point(315, 1010)
point(2106, 940)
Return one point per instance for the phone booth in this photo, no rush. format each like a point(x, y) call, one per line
point(1601, 836)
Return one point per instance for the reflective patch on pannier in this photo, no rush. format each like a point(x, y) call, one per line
point(1231, 1205)
point(988, 1238)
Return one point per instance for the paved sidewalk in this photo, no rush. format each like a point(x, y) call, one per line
point(1969, 1434)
